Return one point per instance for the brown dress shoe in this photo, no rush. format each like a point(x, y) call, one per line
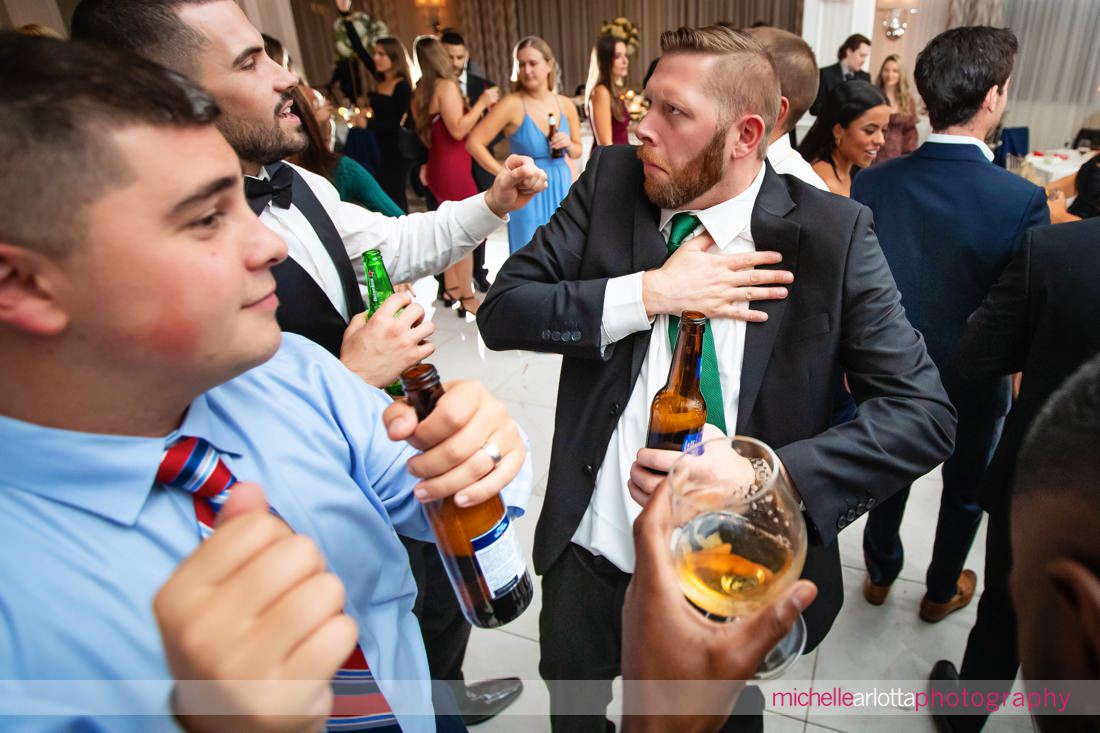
point(875, 594)
point(935, 612)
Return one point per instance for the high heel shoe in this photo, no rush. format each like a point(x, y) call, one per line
point(463, 310)
point(447, 299)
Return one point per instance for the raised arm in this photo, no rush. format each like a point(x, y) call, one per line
point(451, 108)
point(486, 131)
point(344, 8)
point(573, 145)
point(905, 425)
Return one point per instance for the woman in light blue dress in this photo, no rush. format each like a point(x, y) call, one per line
point(527, 116)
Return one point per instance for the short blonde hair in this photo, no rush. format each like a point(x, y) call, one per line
point(747, 84)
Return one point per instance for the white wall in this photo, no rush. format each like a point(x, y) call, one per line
point(826, 23)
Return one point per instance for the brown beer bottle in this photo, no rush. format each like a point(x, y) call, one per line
point(554, 152)
point(679, 411)
point(478, 544)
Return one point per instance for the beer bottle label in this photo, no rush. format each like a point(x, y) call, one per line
point(499, 558)
point(692, 439)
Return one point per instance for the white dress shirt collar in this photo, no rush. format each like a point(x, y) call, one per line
point(724, 221)
point(939, 137)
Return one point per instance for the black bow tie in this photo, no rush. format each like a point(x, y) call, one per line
point(275, 190)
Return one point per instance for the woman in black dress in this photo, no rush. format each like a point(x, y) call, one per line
point(389, 102)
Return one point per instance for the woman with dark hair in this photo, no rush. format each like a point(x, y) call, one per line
point(607, 113)
point(388, 63)
point(443, 122)
point(901, 133)
point(847, 135)
point(353, 181)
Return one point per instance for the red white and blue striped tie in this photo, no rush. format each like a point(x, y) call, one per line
point(193, 465)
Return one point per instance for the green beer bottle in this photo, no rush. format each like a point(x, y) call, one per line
point(378, 289)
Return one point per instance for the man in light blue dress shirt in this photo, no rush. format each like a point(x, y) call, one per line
point(136, 307)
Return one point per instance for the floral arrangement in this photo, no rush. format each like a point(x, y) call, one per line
point(367, 27)
point(622, 28)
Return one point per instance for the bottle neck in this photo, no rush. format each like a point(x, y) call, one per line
point(683, 377)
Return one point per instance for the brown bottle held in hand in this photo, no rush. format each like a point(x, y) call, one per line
point(679, 412)
point(478, 543)
point(554, 152)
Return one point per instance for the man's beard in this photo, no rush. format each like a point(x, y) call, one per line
point(261, 145)
point(689, 181)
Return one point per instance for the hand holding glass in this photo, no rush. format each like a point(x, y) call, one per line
point(741, 538)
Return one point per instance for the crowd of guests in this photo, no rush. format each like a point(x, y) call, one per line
point(203, 483)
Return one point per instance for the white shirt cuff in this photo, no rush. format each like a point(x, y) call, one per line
point(476, 218)
point(623, 309)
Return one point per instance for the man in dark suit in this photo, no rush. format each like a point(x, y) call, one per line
point(851, 56)
point(472, 85)
point(949, 222)
point(1040, 319)
point(597, 284)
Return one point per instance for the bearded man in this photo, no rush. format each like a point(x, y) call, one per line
point(796, 289)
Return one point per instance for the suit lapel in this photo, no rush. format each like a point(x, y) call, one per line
point(649, 252)
point(771, 231)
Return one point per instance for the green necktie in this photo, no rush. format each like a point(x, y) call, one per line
point(682, 225)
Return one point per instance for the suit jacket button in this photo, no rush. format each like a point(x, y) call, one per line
point(589, 469)
point(851, 515)
point(614, 410)
point(576, 336)
point(841, 523)
point(546, 335)
point(871, 502)
point(861, 507)
point(555, 335)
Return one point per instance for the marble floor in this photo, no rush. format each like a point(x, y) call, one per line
point(866, 643)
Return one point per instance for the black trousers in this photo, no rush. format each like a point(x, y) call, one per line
point(580, 638)
point(445, 630)
point(991, 650)
point(959, 515)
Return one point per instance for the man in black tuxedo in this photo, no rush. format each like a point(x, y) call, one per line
point(472, 85)
point(1040, 318)
point(851, 56)
point(597, 285)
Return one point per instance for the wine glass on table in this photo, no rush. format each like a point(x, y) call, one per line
point(740, 537)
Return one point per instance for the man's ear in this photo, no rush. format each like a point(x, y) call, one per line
point(750, 135)
point(781, 118)
point(1079, 587)
point(992, 96)
point(29, 287)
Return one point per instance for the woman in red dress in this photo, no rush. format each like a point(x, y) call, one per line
point(607, 114)
point(443, 122)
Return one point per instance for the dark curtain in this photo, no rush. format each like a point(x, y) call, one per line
point(490, 30)
point(571, 26)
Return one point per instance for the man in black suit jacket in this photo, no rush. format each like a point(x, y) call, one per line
point(949, 222)
point(851, 56)
point(1040, 319)
point(702, 150)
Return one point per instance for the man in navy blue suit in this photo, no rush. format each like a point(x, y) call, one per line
point(949, 221)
